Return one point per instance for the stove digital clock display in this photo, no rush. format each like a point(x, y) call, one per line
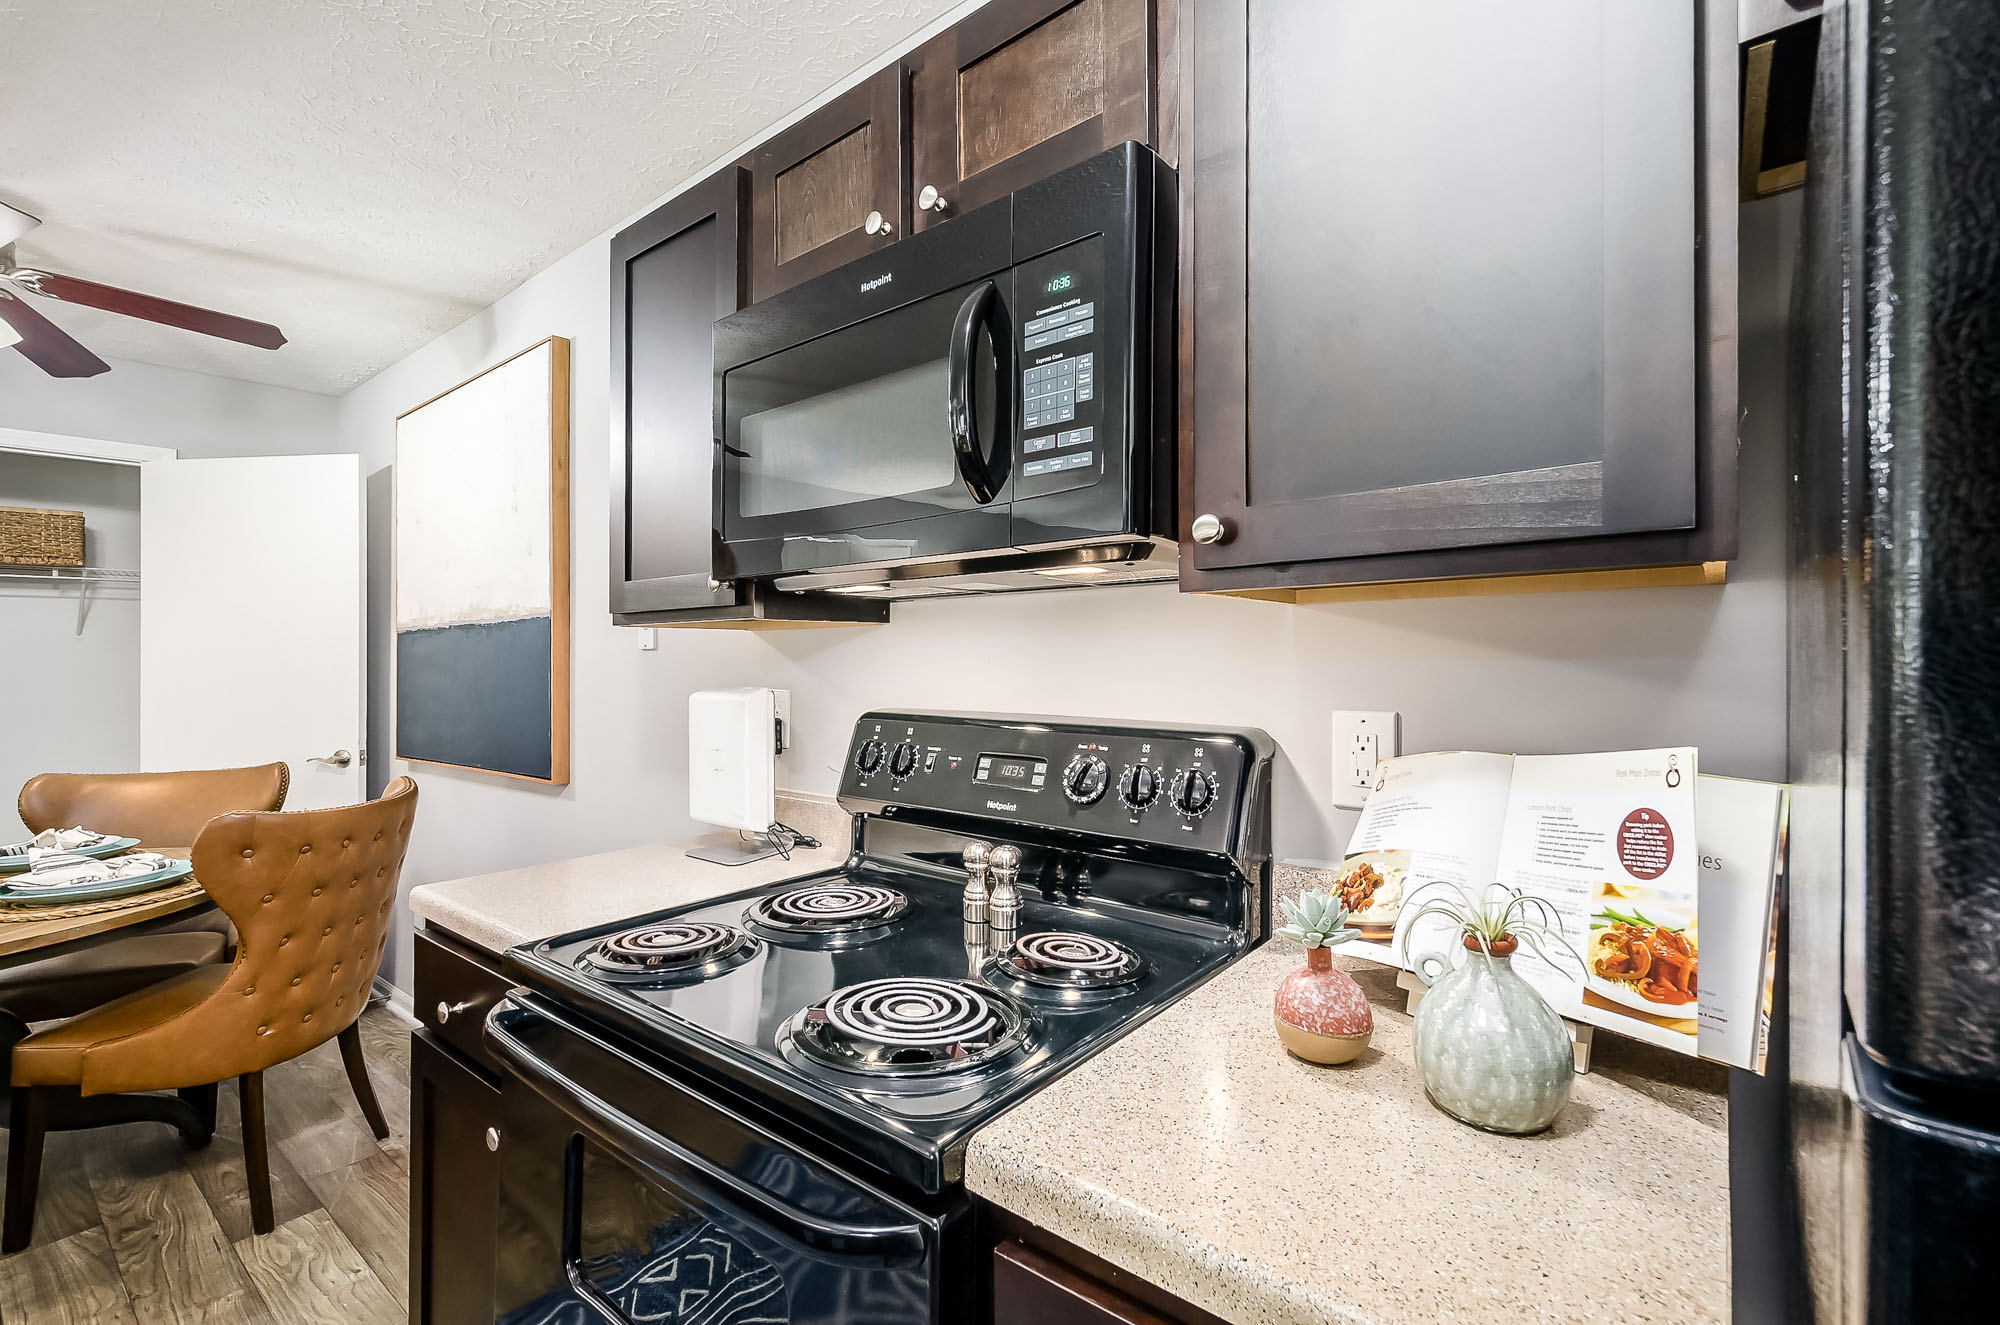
point(1012, 771)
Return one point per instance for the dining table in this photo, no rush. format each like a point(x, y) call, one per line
point(25, 941)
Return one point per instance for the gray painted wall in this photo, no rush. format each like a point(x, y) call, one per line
point(144, 403)
point(70, 702)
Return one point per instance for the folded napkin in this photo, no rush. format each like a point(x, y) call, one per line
point(56, 870)
point(55, 839)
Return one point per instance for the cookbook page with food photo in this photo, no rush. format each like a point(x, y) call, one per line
point(1608, 841)
point(1431, 818)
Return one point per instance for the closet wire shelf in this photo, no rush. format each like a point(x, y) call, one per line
point(83, 577)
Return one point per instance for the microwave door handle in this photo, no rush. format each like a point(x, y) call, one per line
point(984, 475)
point(821, 1239)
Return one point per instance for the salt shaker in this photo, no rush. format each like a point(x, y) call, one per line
point(975, 856)
point(1003, 907)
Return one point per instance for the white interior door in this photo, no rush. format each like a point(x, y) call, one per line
point(252, 619)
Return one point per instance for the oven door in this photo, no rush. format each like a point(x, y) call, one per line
point(627, 1199)
point(888, 440)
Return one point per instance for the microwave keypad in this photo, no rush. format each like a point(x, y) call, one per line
point(1054, 390)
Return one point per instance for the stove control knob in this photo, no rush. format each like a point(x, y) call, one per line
point(869, 757)
point(1193, 793)
point(1085, 779)
point(1140, 786)
point(903, 760)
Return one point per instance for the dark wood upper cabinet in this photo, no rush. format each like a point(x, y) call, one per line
point(1023, 88)
point(814, 186)
point(672, 275)
point(1458, 292)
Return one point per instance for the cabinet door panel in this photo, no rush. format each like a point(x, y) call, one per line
point(1030, 1288)
point(1445, 279)
point(454, 1189)
point(813, 186)
point(672, 275)
point(1023, 88)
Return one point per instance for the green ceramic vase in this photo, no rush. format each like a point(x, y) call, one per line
point(1491, 1051)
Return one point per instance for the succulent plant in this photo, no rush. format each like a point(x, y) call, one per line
point(1496, 912)
point(1318, 920)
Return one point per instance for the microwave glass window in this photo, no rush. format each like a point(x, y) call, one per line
point(880, 438)
point(851, 427)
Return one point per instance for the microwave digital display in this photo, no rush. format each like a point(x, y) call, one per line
point(1060, 283)
point(1012, 771)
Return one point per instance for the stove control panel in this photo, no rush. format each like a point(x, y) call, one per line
point(1198, 788)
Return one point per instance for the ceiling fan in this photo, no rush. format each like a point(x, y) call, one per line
point(52, 349)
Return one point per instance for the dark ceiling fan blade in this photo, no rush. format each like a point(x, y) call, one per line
point(47, 345)
point(75, 290)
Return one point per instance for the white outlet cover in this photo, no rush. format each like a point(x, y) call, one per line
point(1360, 741)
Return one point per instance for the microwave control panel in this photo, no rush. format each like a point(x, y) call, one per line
point(1061, 441)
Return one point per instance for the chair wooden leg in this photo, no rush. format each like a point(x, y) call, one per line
point(256, 1160)
point(202, 1100)
point(357, 1076)
point(28, 1124)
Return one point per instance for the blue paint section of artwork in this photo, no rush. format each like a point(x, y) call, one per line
point(476, 695)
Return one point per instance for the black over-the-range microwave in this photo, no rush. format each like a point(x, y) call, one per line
point(986, 405)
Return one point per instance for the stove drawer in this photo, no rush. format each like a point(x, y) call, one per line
point(625, 1197)
point(454, 990)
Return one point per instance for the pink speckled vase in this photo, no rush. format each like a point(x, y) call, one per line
point(1321, 1014)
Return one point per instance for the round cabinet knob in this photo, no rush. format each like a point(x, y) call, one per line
point(492, 1138)
point(1084, 780)
point(446, 1011)
point(878, 224)
point(903, 760)
point(1210, 529)
point(869, 757)
point(930, 200)
point(1140, 786)
point(1193, 793)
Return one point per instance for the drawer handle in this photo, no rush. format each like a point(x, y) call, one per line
point(446, 1011)
point(1210, 529)
point(930, 200)
point(492, 1138)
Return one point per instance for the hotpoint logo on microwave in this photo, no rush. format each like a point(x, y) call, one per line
point(1009, 807)
point(878, 282)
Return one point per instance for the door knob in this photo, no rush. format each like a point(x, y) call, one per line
point(878, 224)
point(1210, 529)
point(338, 759)
point(931, 200)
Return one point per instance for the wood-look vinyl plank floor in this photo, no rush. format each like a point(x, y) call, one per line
point(310, 1274)
point(133, 1229)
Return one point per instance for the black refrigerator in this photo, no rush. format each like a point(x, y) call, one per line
point(1891, 1003)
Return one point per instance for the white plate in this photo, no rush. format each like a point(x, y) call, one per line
point(110, 846)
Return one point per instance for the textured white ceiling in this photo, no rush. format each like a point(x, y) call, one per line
point(368, 173)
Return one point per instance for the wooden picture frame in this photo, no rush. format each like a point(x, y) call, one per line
point(472, 598)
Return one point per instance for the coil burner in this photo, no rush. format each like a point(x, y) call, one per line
point(1063, 959)
point(657, 952)
point(836, 907)
point(909, 1027)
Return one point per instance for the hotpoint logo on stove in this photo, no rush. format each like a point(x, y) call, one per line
point(1009, 806)
point(878, 282)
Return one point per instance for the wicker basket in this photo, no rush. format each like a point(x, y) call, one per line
point(30, 537)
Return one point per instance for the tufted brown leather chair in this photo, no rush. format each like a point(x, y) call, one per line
point(164, 811)
point(311, 894)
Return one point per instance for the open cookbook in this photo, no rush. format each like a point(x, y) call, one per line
point(1664, 882)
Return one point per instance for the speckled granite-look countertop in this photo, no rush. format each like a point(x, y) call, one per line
point(1199, 1155)
point(497, 911)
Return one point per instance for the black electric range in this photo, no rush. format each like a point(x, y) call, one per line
point(756, 1108)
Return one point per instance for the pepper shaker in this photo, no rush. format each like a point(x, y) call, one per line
point(1003, 907)
point(975, 857)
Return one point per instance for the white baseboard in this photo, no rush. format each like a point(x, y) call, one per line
point(398, 1003)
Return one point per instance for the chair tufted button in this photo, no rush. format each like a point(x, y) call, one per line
point(346, 841)
point(307, 1017)
point(284, 940)
point(263, 1030)
point(338, 1001)
point(336, 968)
point(384, 870)
point(306, 850)
point(326, 931)
point(248, 852)
point(250, 991)
point(268, 898)
point(378, 837)
point(318, 891)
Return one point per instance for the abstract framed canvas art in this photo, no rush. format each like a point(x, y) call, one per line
point(482, 571)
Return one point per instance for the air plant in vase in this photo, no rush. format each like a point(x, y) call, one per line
point(1490, 1050)
point(1320, 1013)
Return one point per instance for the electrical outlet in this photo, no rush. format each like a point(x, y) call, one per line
point(649, 639)
point(1361, 741)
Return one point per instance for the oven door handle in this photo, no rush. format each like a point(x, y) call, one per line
point(984, 471)
point(823, 1239)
